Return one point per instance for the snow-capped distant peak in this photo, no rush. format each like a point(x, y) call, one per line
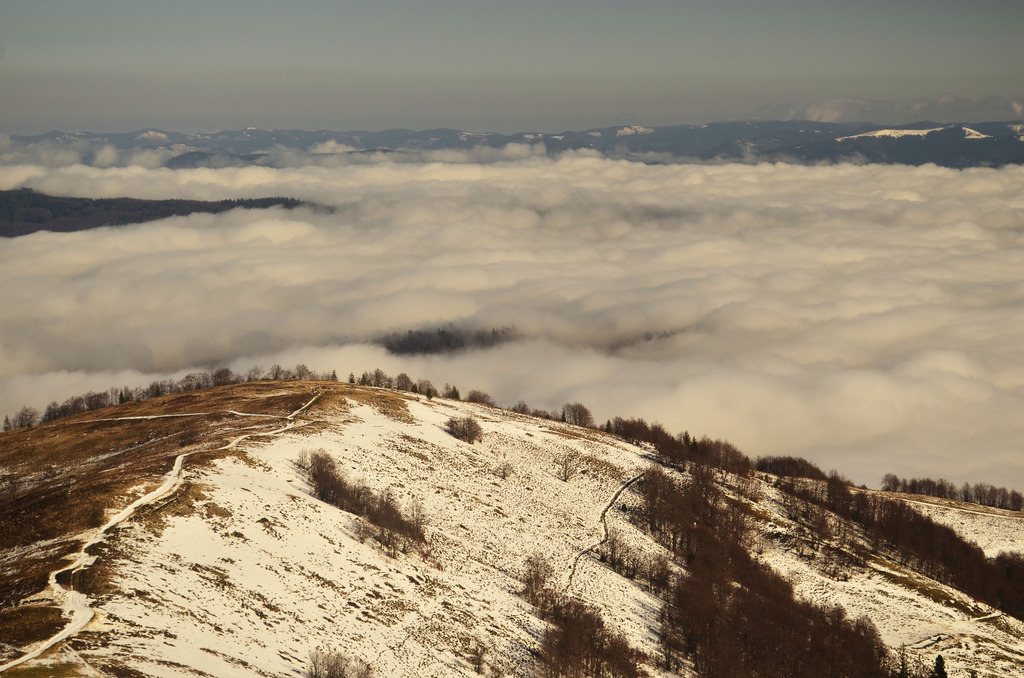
point(633, 129)
point(895, 133)
point(974, 134)
point(152, 135)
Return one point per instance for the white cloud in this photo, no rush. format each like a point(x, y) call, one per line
point(866, 317)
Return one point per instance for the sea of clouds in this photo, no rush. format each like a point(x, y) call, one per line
point(870, 318)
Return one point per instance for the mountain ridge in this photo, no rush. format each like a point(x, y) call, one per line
point(960, 145)
point(243, 571)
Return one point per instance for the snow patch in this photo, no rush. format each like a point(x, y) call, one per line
point(974, 134)
point(633, 129)
point(152, 135)
point(894, 133)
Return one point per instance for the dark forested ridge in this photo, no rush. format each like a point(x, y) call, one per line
point(25, 211)
point(444, 340)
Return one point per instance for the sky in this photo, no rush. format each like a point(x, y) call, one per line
point(870, 318)
point(501, 65)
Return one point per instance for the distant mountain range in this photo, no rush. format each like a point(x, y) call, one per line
point(959, 145)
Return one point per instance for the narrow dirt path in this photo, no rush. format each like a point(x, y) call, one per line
point(75, 603)
point(604, 524)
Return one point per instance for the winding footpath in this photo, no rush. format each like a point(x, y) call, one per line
point(604, 524)
point(76, 604)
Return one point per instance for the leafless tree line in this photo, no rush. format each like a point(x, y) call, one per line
point(195, 381)
point(576, 643)
point(396, 531)
point(732, 616)
point(978, 493)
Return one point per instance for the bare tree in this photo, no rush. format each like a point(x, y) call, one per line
point(195, 381)
point(477, 655)
point(567, 465)
point(425, 387)
point(520, 407)
point(404, 383)
point(25, 417)
point(578, 414)
point(223, 376)
point(537, 572)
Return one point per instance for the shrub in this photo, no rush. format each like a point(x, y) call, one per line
point(480, 397)
point(336, 665)
point(520, 407)
point(503, 470)
point(465, 428)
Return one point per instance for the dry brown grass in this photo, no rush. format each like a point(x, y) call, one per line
point(389, 403)
point(576, 432)
point(601, 468)
point(28, 624)
point(61, 670)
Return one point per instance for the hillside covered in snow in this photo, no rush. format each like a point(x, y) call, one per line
point(187, 535)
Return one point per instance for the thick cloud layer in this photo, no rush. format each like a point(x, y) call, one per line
point(870, 318)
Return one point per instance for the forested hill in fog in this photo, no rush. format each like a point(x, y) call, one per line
point(25, 211)
point(959, 145)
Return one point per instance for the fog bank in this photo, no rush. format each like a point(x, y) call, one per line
point(870, 318)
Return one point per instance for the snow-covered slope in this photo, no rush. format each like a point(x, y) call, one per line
point(243, 572)
point(909, 609)
point(281, 574)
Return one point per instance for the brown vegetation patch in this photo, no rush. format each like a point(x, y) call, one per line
point(334, 401)
point(29, 624)
point(1006, 626)
point(97, 579)
point(119, 670)
point(577, 433)
point(39, 670)
point(931, 590)
point(184, 502)
point(211, 510)
point(601, 468)
point(415, 453)
point(389, 403)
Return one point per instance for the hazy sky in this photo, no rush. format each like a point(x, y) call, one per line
point(501, 65)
